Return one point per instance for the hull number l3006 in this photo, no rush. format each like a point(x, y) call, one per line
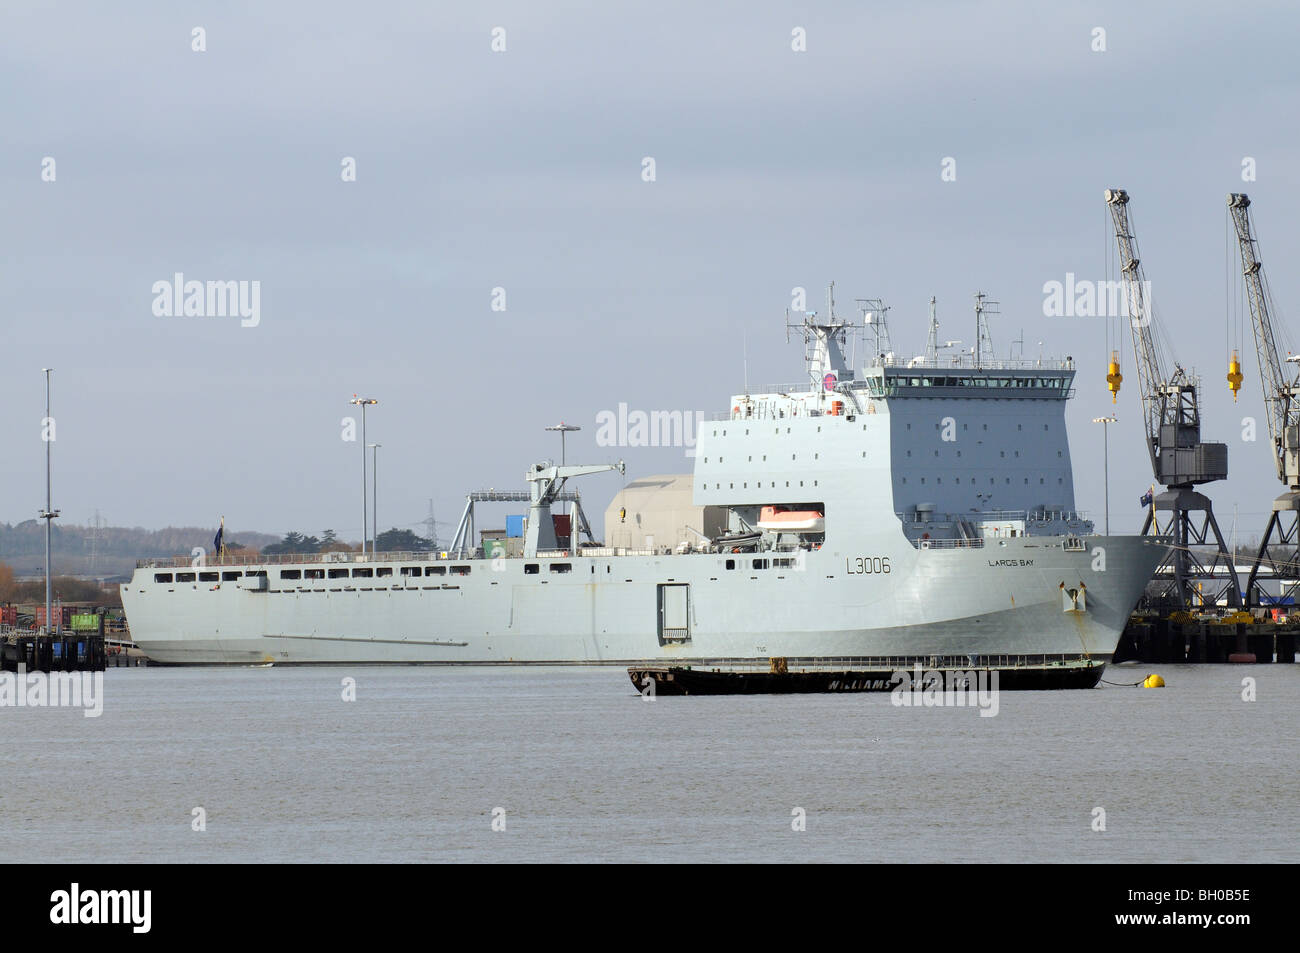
point(866, 565)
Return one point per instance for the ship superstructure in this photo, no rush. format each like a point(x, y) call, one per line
point(890, 511)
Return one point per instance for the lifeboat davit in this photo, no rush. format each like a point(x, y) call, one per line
point(791, 521)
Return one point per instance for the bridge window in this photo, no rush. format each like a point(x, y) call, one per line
point(338, 573)
point(185, 577)
point(384, 571)
point(162, 577)
point(364, 573)
point(228, 576)
point(435, 570)
point(412, 571)
point(313, 574)
point(290, 573)
point(460, 570)
point(561, 567)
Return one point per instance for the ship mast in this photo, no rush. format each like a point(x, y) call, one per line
point(824, 341)
point(983, 340)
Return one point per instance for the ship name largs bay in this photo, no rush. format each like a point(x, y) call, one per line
point(1010, 563)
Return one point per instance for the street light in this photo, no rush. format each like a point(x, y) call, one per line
point(49, 513)
point(563, 428)
point(374, 509)
point(1105, 440)
point(364, 402)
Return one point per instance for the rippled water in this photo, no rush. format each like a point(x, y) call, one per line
point(584, 769)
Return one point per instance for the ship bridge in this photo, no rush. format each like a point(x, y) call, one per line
point(963, 379)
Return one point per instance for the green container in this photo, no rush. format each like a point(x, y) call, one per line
point(85, 623)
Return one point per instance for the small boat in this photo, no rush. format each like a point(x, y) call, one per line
point(791, 521)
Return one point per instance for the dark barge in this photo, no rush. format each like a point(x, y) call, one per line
point(945, 674)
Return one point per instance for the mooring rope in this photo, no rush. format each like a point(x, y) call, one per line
point(1123, 684)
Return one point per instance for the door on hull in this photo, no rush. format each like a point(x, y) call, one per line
point(674, 612)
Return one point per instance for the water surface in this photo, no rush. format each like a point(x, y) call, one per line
point(584, 769)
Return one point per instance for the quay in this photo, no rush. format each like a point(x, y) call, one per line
point(67, 652)
point(1183, 636)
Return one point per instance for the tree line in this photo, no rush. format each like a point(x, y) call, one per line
point(390, 541)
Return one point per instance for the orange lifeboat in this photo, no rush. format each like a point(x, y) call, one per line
point(791, 521)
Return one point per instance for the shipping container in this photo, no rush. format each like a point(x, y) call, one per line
point(515, 525)
point(85, 622)
point(62, 615)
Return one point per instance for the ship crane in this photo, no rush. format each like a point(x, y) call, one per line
point(546, 484)
point(546, 487)
point(1282, 400)
point(1180, 460)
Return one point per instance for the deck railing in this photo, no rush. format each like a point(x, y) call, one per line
point(882, 662)
point(286, 559)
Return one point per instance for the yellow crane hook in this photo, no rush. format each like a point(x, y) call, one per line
point(1234, 376)
point(1113, 377)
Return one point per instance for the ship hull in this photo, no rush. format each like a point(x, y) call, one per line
point(1011, 598)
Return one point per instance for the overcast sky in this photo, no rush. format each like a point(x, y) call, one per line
point(522, 169)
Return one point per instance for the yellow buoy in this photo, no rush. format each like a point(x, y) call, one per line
point(1234, 376)
point(1113, 377)
point(1153, 681)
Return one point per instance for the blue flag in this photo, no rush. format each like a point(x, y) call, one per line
point(1146, 498)
point(216, 543)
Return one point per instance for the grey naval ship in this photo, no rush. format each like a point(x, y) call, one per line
point(882, 512)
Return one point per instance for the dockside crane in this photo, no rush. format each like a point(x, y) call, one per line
point(1280, 546)
point(1180, 460)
